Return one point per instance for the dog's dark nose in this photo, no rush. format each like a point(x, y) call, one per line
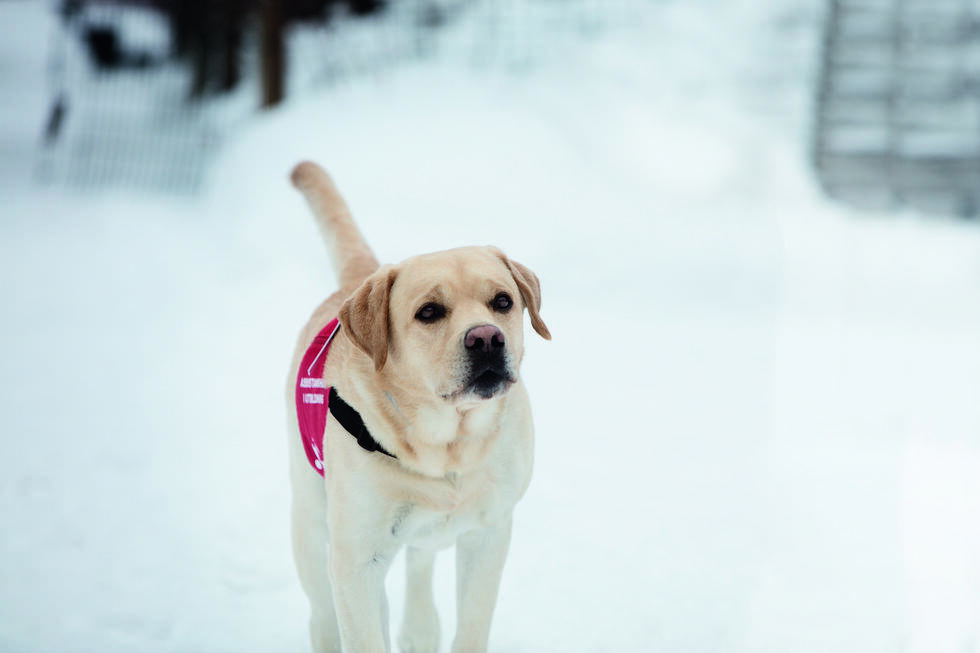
point(485, 337)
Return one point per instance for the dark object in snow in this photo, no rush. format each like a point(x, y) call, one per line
point(208, 35)
point(108, 53)
point(56, 118)
point(103, 46)
point(897, 114)
point(364, 7)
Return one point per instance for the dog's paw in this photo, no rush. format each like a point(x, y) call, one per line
point(410, 645)
point(419, 638)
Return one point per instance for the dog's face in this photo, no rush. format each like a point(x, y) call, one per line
point(448, 324)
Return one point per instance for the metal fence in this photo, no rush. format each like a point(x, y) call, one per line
point(129, 108)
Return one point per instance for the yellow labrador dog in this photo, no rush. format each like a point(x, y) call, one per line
point(409, 426)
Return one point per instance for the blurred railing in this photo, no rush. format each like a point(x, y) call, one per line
point(898, 105)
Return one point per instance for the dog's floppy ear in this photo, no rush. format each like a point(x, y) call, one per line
point(530, 287)
point(364, 315)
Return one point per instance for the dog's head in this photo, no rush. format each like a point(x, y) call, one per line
point(451, 323)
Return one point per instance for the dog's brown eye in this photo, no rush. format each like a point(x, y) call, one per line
point(502, 302)
point(430, 312)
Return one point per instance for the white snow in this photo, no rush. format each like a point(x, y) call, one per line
point(758, 421)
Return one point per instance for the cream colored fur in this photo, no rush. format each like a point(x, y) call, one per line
point(462, 463)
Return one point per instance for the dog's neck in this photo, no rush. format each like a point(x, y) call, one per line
point(428, 435)
point(454, 438)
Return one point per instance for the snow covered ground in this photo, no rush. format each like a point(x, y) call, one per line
point(758, 421)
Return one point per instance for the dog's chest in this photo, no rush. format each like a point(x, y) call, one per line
point(463, 507)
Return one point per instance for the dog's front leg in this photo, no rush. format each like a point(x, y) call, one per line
point(420, 627)
point(480, 557)
point(358, 580)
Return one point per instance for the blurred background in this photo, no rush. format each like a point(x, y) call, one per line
point(755, 224)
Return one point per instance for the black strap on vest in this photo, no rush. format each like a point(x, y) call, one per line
point(351, 420)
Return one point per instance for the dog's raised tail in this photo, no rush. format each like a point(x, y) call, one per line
point(352, 258)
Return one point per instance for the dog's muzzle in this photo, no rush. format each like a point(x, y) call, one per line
point(488, 370)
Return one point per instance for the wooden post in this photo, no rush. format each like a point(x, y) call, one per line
point(272, 53)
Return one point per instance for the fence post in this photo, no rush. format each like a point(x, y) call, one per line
point(272, 53)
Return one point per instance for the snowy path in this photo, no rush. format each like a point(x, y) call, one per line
point(758, 423)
